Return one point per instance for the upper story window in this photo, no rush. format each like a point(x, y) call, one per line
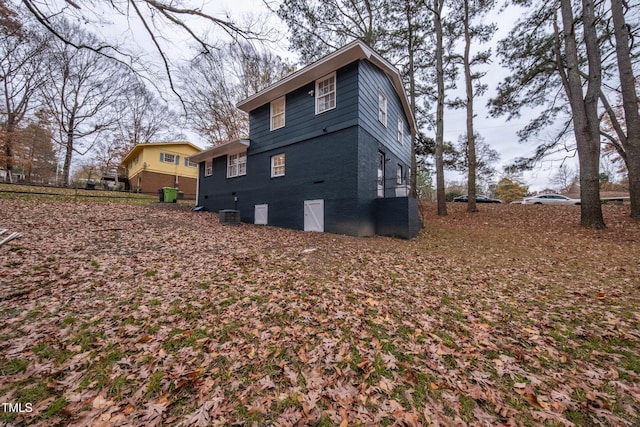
point(326, 93)
point(189, 163)
point(208, 167)
point(400, 130)
point(382, 108)
point(277, 113)
point(277, 165)
point(237, 164)
point(169, 158)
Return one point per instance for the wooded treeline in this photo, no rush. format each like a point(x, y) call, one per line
point(574, 64)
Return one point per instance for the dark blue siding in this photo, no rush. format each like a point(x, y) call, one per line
point(301, 121)
point(373, 80)
point(320, 168)
point(331, 156)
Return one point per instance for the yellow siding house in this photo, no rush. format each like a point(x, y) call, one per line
point(153, 165)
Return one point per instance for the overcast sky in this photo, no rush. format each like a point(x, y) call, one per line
point(498, 133)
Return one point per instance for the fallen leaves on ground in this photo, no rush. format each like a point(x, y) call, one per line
point(124, 315)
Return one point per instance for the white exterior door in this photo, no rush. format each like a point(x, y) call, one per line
point(261, 215)
point(314, 215)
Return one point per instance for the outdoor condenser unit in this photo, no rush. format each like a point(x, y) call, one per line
point(229, 217)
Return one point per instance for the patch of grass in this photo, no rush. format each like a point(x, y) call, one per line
point(117, 387)
point(69, 320)
point(467, 405)
point(204, 286)
point(33, 393)
point(151, 273)
point(45, 351)
point(154, 384)
point(55, 407)
point(13, 366)
point(86, 339)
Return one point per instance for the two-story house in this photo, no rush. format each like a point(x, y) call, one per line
point(329, 150)
point(153, 165)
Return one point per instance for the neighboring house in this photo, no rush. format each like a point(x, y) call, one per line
point(154, 165)
point(329, 150)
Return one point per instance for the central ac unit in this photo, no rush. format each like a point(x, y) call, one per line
point(229, 217)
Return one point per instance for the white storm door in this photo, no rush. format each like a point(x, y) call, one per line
point(261, 215)
point(314, 215)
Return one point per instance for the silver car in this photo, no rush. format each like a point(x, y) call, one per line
point(550, 199)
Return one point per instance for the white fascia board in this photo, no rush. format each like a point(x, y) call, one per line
point(338, 59)
point(354, 51)
point(230, 147)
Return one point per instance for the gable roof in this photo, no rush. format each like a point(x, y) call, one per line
point(352, 52)
point(139, 147)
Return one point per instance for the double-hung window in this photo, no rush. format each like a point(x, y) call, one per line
point(237, 164)
point(208, 167)
point(400, 130)
point(169, 158)
point(399, 174)
point(382, 108)
point(277, 113)
point(277, 165)
point(326, 93)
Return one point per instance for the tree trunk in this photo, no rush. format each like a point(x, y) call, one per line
point(471, 143)
point(413, 177)
point(630, 104)
point(8, 151)
point(66, 169)
point(633, 158)
point(586, 124)
point(440, 190)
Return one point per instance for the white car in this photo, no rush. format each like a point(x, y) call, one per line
point(550, 199)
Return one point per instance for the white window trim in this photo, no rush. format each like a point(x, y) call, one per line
point(167, 156)
point(208, 167)
point(317, 92)
point(399, 176)
point(382, 108)
point(236, 166)
point(400, 131)
point(273, 165)
point(272, 116)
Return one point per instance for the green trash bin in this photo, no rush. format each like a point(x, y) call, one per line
point(170, 194)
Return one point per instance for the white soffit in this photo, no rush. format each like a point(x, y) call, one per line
point(230, 147)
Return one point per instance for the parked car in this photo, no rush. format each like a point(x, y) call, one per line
point(550, 199)
point(479, 199)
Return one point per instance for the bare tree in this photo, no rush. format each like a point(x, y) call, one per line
point(215, 83)
point(142, 117)
point(79, 95)
point(20, 50)
point(159, 20)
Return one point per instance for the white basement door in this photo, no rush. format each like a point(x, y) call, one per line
point(314, 215)
point(261, 214)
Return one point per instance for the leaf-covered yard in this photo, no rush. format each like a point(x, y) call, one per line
point(113, 314)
